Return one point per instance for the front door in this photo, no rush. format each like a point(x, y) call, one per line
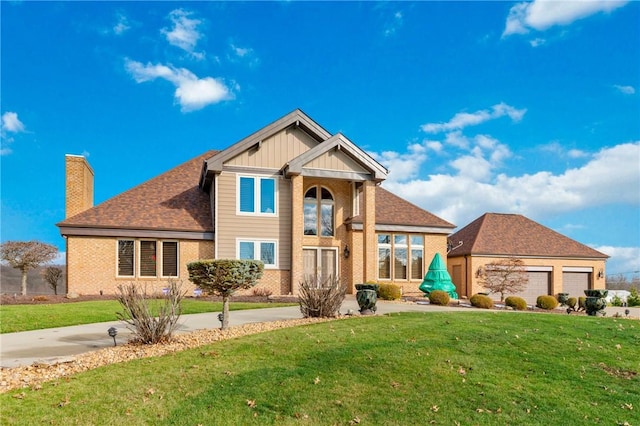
point(320, 263)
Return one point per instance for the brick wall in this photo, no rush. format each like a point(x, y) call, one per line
point(78, 185)
point(91, 265)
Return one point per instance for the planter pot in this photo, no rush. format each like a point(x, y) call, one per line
point(367, 296)
point(595, 302)
point(562, 298)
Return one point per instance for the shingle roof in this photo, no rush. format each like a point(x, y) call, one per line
point(171, 201)
point(393, 210)
point(516, 235)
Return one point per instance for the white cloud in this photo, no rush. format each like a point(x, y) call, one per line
point(192, 93)
point(465, 119)
point(627, 90)
point(122, 25)
point(61, 258)
point(542, 14)
point(394, 25)
point(184, 33)
point(462, 196)
point(403, 166)
point(11, 122)
point(624, 260)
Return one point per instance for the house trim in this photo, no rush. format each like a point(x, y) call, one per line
point(135, 233)
point(494, 255)
point(404, 229)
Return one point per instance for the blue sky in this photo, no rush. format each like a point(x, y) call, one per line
point(475, 107)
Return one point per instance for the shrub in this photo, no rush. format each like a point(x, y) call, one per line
point(546, 302)
point(481, 301)
point(582, 300)
point(439, 297)
point(321, 299)
point(389, 292)
point(517, 303)
point(262, 292)
point(572, 302)
point(150, 320)
point(633, 299)
point(616, 301)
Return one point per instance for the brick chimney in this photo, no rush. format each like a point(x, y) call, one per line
point(78, 185)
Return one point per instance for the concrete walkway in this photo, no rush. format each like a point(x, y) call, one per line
point(54, 345)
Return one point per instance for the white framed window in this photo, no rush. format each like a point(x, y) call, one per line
point(257, 195)
point(170, 259)
point(126, 258)
point(318, 212)
point(400, 257)
point(147, 258)
point(264, 250)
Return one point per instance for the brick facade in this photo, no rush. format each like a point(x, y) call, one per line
point(79, 185)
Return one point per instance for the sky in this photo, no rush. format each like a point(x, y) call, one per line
point(474, 107)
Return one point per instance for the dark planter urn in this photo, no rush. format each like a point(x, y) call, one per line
point(562, 298)
point(595, 302)
point(367, 296)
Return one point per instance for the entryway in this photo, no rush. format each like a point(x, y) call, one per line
point(320, 263)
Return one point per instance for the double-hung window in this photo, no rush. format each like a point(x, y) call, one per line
point(384, 256)
point(264, 250)
point(417, 255)
point(147, 258)
point(257, 195)
point(400, 257)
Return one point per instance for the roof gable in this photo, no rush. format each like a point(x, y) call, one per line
point(347, 149)
point(171, 201)
point(515, 235)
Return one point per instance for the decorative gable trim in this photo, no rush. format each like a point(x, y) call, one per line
point(339, 142)
point(297, 118)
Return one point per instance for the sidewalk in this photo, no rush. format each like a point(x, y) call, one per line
point(54, 345)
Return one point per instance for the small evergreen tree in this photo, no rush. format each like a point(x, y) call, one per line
point(223, 277)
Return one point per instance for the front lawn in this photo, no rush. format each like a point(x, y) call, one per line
point(34, 317)
point(490, 368)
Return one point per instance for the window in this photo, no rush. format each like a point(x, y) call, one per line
point(148, 258)
point(258, 250)
point(169, 258)
point(384, 256)
point(318, 212)
point(125, 258)
point(400, 257)
point(256, 195)
point(417, 255)
point(143, 256)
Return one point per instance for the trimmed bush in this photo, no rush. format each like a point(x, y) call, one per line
point(481, 301)
point(572, 302)
point(517, 303)
point(389, 292)
point(439, 297)
point(546, 302)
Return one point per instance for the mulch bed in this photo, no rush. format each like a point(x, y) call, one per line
point(6, 299)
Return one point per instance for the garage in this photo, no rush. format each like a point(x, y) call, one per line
point(575, 280)
point(539, 284)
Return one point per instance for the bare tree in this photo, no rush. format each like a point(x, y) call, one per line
point(52, 275)
point(26, 255)
point(505, 276)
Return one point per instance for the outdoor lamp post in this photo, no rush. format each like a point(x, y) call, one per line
point(221, 317)
point(113, 332)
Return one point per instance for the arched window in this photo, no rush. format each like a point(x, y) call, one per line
point(318, 212)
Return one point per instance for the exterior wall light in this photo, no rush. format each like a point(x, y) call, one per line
point(346, 251)
point(113, 332)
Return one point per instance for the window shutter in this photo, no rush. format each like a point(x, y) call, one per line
point(147, 258)
point(170, 259)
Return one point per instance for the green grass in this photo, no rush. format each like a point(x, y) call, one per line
point(420, 368)
point(34, 317)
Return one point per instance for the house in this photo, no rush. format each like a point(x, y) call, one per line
point(306, 202)
point(554, 263)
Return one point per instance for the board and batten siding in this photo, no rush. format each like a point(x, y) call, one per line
point(335, 160)
point(275, 151)
point(232, 226)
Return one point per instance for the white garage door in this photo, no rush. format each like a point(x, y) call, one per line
point(575, 283)
point(538, 285)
